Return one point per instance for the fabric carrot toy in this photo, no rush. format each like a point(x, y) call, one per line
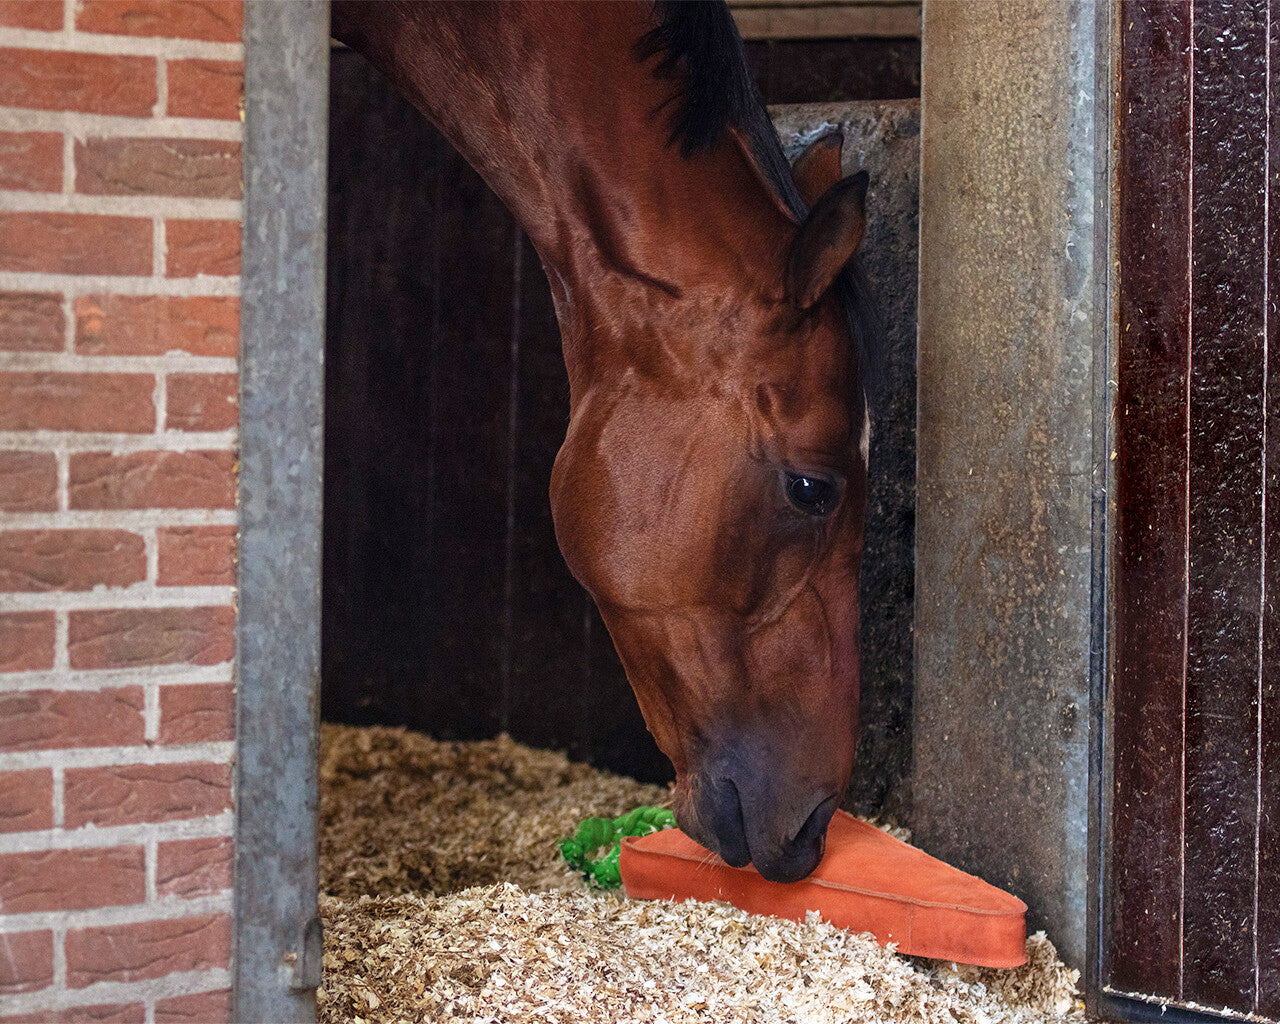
point(867, 882)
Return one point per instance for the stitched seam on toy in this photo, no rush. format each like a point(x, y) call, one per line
point(841, 887)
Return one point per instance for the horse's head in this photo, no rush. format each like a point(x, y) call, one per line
point(710, 496)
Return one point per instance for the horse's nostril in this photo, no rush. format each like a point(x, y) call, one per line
point(815, 826)
point(720, 813)
point(798, 856)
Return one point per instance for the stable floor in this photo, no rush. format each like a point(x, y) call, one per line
point(445, 900)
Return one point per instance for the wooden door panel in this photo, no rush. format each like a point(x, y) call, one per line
point(1228, 277)
point(1144, 912)
point(1190, 906)
point(1268, 866)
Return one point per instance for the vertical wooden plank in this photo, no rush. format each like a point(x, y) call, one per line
point(377, 521)
point(1143, 912)
point(1224, 534)
point(834, 70)
point(415, 494)
point(1267, 892)
point(337, 598)
point(473, 349)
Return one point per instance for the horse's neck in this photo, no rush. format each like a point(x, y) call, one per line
point(549, 103)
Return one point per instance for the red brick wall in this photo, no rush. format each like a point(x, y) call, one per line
point(120, 174)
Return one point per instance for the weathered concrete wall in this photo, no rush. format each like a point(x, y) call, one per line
point(1000, 785)
point(883, 138)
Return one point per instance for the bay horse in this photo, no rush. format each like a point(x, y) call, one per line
point(710, 491)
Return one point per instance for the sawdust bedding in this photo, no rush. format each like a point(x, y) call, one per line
point(444, 900)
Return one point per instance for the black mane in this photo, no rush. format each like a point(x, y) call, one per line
point(698, 41)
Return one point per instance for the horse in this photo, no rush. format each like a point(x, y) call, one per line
point(711, 488)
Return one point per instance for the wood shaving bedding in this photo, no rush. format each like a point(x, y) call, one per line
point(403, 813)
point(445, 901)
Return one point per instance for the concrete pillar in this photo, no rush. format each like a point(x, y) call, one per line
point(1006, 449)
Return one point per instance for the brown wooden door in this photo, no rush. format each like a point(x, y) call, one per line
point(1191, 897)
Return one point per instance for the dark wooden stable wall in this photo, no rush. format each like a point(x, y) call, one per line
point(447, 606)
point(1192, 899)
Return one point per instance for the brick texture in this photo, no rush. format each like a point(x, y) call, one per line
point(26, 961)
point(130, 637)
point(194, 168)
point(114, 1013)
point(52, 719)
point(28, 482)
point(37, 14)
point(106, 402)
point(194, 867)
point(129, 325)
point(26, 800)
point(26, 641)
point(72, 879)
point(215, 20)
point(197, 556)
point(31, 161)
point(206, 88)
point(122, 795)
point(31, 322)
point(195, 1009)
point(152, 949)
point(198, 247)
point(74, 243)
point(44, 560)
point(94, 83)
point(152, 480)
point(202, 401)
point(118, 102)
point(197, 713)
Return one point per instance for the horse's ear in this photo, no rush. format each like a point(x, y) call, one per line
point(817, 169)
point(826, 241)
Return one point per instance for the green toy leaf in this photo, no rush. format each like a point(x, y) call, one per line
point(595, 833)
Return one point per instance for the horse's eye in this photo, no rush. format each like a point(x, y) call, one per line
point(811, 494)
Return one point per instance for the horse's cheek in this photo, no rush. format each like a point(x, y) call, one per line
point(566, 516)
point(584, 512)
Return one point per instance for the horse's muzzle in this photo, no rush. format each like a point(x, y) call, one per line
point(784, 837)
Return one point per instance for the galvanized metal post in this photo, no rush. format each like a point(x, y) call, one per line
point(277, 931)
point(1009, 323)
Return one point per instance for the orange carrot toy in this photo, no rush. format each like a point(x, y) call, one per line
point(867, 882)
